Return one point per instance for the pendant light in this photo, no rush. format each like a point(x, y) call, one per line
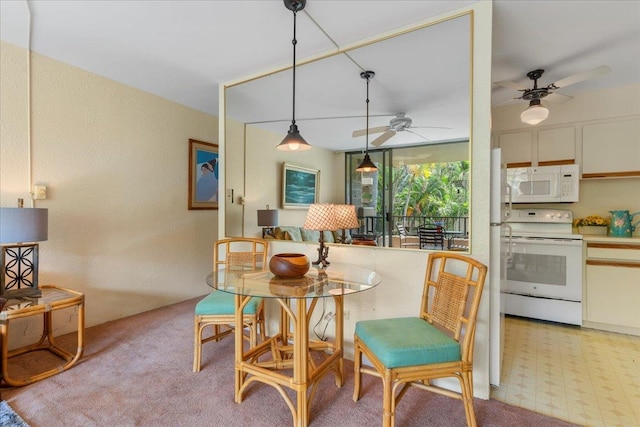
point(367, 165)
point(535, 113)
point(294, 141)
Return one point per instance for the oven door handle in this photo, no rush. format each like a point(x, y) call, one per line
point(546, 241)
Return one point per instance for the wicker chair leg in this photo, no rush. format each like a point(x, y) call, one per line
point(197, 345)
point(467, 398)
point(357, 375)
point(387, 400)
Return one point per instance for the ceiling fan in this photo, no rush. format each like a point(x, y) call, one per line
point(546, 92)
point(536, 112)
point(400, 123)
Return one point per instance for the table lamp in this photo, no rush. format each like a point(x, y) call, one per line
point(346, 218)
point(267, 219)
point(321, 217)
point(19, 229)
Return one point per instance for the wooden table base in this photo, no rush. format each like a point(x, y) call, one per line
point(292, 350)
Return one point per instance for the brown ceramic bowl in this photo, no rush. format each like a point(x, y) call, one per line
point(289, 265)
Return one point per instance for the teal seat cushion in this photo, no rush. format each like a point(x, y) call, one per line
point(219, 302)
point(408, 341)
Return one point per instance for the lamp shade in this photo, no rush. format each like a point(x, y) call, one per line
point(321, 216)
point(267, 217)
point(293, 141)
point(535, 113)
point(346, 216)
point(19, 225)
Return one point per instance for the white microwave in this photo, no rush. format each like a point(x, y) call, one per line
point(544, 184)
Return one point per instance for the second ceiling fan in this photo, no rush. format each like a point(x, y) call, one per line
point(400, 123)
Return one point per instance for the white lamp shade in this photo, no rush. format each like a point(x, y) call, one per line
point(20, 225)
point(321, 216)
point(534, 114)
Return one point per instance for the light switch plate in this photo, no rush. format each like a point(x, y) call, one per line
point(39, 192)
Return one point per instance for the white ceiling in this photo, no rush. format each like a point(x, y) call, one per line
point(181, 50)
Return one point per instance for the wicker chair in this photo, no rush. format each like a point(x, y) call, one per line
point(218, 308)
point(412, 351)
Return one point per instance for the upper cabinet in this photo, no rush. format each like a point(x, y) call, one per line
point(544, 147)
point(611, 150)
point(557, 146)
point(517, 148)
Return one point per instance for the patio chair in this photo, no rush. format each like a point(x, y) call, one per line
point(431, 237)
point(404, 242)
point(413, 351)
point(218, 308)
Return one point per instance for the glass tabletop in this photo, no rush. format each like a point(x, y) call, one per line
point(336, 279)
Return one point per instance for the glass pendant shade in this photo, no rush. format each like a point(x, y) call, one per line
point(535, 113)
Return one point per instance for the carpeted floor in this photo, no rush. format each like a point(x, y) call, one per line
point(137, 372)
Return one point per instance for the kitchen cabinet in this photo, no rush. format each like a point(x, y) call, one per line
point(556, 146)
point(612, 284)
point(611, 150)
point(540, 147)
point(517, 148)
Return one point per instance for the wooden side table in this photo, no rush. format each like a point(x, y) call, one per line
point(53, 298)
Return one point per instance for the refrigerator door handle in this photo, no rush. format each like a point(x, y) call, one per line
point(507, 213)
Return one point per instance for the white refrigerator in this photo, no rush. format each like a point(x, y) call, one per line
point(499, 254)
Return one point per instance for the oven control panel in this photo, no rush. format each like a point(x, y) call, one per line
point(558, 216)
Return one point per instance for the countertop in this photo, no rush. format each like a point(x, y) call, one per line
point(635, 240)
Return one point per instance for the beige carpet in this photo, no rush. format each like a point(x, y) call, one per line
point(137, 372)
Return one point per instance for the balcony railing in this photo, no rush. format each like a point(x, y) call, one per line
point(372, 226)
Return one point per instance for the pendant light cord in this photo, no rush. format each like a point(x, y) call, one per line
point(366, 151)
point(294, 42)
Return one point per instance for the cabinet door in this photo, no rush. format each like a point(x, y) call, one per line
point(517, 148)
point(613, 294)
point(611, 149)
point(557, 146)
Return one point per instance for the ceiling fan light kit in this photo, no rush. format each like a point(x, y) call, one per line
point(535, 113)
point(367, 165)
point(294, 141)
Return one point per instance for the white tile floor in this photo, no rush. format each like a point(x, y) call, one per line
point(580, 375)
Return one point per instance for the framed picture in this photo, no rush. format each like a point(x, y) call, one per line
point(300, 186)
point(203, 175)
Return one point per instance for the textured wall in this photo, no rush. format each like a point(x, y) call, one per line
point(115, 162)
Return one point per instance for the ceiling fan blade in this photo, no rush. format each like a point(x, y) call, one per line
point(382, 138)
point(428, 127)
point(363, 132)
point(557, 98)
point(421, 136)
point(510, 85)
point(576, 78)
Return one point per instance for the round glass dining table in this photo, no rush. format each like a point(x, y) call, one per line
point(290, 358)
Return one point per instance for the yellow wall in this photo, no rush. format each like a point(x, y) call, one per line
point(115, 161)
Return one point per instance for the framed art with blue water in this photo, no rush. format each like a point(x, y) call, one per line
point(300, 186)
point(203, 175)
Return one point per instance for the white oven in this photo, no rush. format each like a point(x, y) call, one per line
point(544, 272)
